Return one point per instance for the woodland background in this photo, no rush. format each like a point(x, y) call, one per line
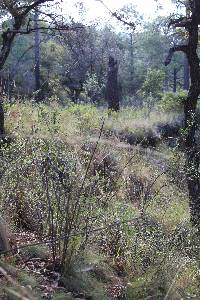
point(99, 153)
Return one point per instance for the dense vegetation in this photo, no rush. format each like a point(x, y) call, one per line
point(96, 203)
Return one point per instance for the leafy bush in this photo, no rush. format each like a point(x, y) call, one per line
point(92, 89)
point(126, 207)
point(172, 101)
point(152, 86)
point(87, 115)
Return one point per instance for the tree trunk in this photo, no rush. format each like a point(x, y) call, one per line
point(112, 89)
point(175, 81)
point(131, 63)
point(191, 124)
point(192, 151)
point(186, 73)
point(38, 96)
point(2, 129)
point(4, 240)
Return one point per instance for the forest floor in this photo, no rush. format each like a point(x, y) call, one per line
point(146, 249)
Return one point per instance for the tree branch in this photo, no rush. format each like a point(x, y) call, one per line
point(19, 14)
point(35, 4)
point(174, 49)
point(180, 22)
point(117, 16)
point(56, 28)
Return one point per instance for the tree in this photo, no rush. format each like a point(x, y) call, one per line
point(190, 23)
point(186, 73)
point(153, 83)
point(112, 89)
point(37, 58)
point(18, 12)
point(80, 58)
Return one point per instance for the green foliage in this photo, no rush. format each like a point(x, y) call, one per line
point(87, 115)
point(93, 90)
point(66, 64)
point(27, 280)
point(153, 84)
point(124, 208)
point(172, 102)
point(20, 283)
point(144, 286)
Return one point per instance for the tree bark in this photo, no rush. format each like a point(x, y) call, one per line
point(2, 128)
point(175, 81)
point(38, 96)
point(186, 73)
point(191, 124)
point(112, 88)
point(192, 151)
point(131, 62)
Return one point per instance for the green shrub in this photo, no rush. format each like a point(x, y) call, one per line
point(93, 90)
point(172, 101)
point(152, 86)
point(88, 116)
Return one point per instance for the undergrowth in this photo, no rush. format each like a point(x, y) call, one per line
point(114, 217)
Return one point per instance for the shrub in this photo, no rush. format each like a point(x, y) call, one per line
point(152, 86)
point(172, 101)
point(43, 183)
point(50, 190)
point(87, 115)
point(136, 188)
point(144, 137)
point(92, 89)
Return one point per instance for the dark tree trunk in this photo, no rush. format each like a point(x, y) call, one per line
point(132, 62)
point(175, 81)
point(166, 84)
point(38, 96)
point(2, 129)
point(112, 88)
point(192, 151)
point(186, 73)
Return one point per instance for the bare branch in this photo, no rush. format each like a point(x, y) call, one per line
point(56, 28)
point(35, 4)
point(19, 14)
point(117, 16)
point(180, 22)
